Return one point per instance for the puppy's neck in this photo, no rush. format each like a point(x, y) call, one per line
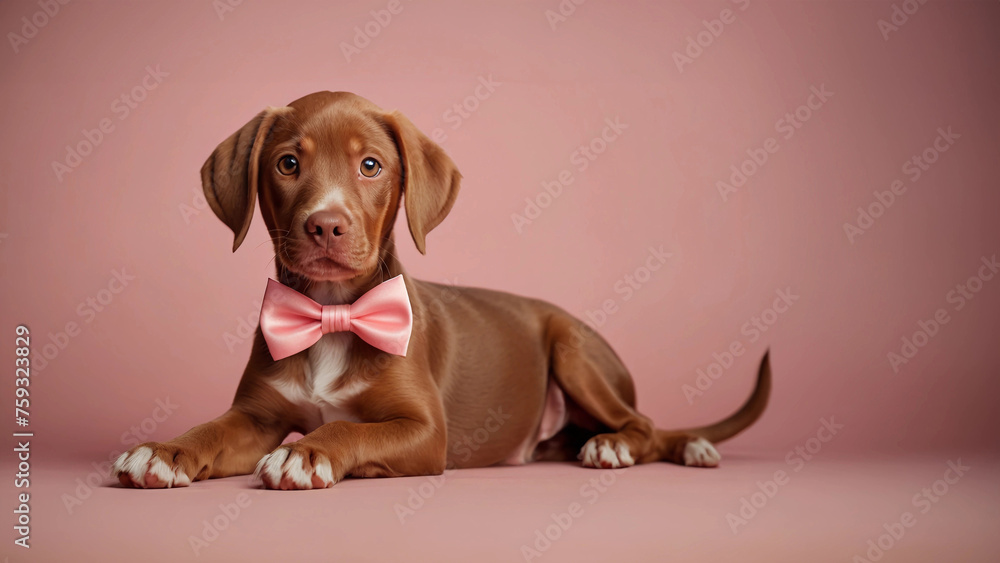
point(345, 292)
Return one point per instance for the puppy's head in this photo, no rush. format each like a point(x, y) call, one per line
point(329, 170)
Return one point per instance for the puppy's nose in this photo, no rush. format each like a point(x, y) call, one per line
point(325, 227)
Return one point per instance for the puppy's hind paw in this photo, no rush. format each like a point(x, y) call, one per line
point(607, 451)
point(699, 452)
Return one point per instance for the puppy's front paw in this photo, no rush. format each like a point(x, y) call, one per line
point(150, 466)
point(294, 467)
point(699, 452)
point(606, 451)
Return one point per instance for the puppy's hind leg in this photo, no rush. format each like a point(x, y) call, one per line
point(592, 376)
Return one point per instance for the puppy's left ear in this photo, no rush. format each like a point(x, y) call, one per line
point(430, 179)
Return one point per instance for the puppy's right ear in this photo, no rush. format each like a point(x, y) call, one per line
point(229, 176)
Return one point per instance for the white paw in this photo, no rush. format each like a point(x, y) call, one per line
point(701, 453)
point(289, 470)
point(600, 453)
point(140, 468)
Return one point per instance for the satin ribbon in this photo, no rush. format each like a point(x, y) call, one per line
point(292, 322)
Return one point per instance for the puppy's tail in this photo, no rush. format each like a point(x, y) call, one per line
point(746, 415)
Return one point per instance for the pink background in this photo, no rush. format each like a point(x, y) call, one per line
point(163, 336)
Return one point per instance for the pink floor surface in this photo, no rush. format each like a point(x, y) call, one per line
point(827, 510)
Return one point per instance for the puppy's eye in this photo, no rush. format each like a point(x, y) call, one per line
point(370, 167)
point(288, 165)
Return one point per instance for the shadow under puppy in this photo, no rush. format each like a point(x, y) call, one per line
point(330, 171)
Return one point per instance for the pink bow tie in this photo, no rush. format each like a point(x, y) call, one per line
point(291, 322)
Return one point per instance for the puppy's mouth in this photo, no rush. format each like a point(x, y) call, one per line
point(326, 269)
point(317, 264)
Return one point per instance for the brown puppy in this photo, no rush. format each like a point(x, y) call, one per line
point(489, 377)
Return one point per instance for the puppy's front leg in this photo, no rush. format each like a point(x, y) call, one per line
point(228, 445)
point(401, 445)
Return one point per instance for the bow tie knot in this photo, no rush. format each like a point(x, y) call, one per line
point(336, 318)
point(292, 322)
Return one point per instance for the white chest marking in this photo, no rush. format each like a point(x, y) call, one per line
point(326, 365)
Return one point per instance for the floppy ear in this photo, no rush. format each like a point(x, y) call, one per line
point(430, 178)
point(229, 176)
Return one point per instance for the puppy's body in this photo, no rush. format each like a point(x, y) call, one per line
point(488, 378)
